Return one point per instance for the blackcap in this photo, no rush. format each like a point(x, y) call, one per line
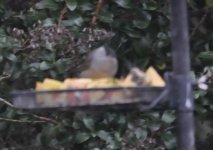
point(100, 63)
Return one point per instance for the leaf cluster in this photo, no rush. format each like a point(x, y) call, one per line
point(50, 38)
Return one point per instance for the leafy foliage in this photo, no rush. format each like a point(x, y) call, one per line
point(49, 38)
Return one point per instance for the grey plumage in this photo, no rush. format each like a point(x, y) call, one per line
point(101, 62)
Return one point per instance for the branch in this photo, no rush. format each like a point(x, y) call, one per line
point(6, 102)
point(45, 119)
point(20, 121)
point(98, 7)
point(61, 16)
point(4, 76)
point(198, 25)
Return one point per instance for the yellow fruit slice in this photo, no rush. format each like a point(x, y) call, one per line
point(39, 86)
point(102, 82)
point(127, 82)
point(154, 79)
point(76, 83)
point(48, 84)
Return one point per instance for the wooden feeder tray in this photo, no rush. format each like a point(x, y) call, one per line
point(115, 97)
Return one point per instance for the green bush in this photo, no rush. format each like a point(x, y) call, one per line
point(49, 38)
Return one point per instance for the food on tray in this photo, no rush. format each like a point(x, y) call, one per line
point(76, 83)
point(81, 96)
point(135, 78)
point(153, 78)
point(49, 84)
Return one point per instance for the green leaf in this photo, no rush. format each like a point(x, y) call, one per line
point(200, 109)
point(47, 4)
point(141, 134)
point(1, 58)
point(38, 140)
point(85, 5)
point(124, 3)
point(133, 33)
point(209, 3)
point(74, 20)
point(45, 66)
point(3, 126)
point(199, 93)
point(17, 74)
point(63, 64)
point(89, 123)
point(34, 65)
point(8, 42)
point(162, 36)
point(168, 117)
point(169, 140)
point(35, 16)
point(143, 20)
point(150, 5)
point(54, 143)
point(140, 24)
point(12, 57)
point(81, 137)
point(154, 125)
point(76, 125)
point(104, 136)
point(107, 17)
point(2, 32)
point(206, 55)
point(48, 22)
point(71, 4)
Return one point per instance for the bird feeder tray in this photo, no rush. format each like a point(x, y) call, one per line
point(114, 97)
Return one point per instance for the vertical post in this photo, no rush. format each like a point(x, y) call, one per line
point(181, 71)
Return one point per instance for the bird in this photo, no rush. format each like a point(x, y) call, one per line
point(100, 63)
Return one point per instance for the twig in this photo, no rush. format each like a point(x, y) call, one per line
point(61, 16)
point(6, 102)
point(20, 121)
point(4, 76)
point(45, 119)
point(98, 7)
point(198, 25)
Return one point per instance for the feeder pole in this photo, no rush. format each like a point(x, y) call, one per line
point(181, 86)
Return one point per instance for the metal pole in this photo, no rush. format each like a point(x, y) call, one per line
point(182, 88)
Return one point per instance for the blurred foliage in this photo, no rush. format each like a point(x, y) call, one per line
point(49, 38)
